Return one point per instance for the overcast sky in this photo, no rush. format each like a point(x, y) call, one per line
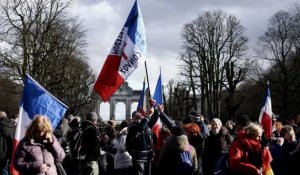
point(164, 19)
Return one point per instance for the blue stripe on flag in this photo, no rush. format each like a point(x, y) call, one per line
point(37, 100)
point(158, 95)
point(140, 106)
point(136, 29)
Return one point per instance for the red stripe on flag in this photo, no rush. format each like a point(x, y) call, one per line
point(266, 122)
point(12, 168)
point(106, 91)
point(109, 72)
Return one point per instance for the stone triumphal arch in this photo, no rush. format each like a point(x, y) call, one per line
point(124, 94)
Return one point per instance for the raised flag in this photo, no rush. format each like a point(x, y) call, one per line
point(141, 107)
point(265, 117)
point(128, 51)
point(158, 97)
point(36, 100)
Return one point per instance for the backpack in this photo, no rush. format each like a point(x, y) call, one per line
point(76, 145)
point(185, 165)
point(3, 148)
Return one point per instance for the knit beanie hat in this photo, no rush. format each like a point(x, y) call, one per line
point(178, 130)
point(243, 120)
point(92, 116)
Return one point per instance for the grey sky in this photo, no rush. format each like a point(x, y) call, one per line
point(164, 19)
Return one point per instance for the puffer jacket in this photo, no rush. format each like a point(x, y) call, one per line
point(168, 157)
point(122, 157)
point(30, 155)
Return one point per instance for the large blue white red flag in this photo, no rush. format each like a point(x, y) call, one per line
point(128, 51)
point(36, 100)
point(158, 97)
point(265, 117)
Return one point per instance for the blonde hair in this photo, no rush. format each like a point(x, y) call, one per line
point(253, 130)
point(40, 123)
point(278, 125)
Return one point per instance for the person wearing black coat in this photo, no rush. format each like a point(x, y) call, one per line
point(7, 130)
point(90, 144)
point(139, 141)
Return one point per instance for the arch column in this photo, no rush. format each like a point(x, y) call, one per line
point(128, 108)
point(112, 108)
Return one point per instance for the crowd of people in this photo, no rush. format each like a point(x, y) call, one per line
point(133, 148)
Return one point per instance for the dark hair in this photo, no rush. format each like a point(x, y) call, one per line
point(133, 113)
point(195, 113)
point(123, 124)
point(178, 130)
point(243, 120)
point(187, 120)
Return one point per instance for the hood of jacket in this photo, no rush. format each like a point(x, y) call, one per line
point(87, 123)
point(6, 122)
point(179, 142)
point(248, 143)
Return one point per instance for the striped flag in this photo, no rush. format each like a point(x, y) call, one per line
point(36, 100)
point(141, 107)
point(158, 97)
point(127, 53)
point(265, 117)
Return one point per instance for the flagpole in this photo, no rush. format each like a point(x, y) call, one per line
point(147, 78)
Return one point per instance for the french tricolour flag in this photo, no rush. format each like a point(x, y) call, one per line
point(36, 100)
point(128, 51)
point(265, 117)
point(141, 107)
point(158, 97)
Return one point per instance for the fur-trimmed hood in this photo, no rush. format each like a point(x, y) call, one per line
point(179, 142)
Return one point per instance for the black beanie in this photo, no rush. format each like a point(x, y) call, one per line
point(178, 130)
point(243, 120)
point(187, 120)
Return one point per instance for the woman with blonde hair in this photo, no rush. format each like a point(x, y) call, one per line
point(247, 156)
point(38, 151)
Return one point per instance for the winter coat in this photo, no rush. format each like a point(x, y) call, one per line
point(90, 141)
point(169, 155)
point(285, 158)
point(216, 145)
point(247, 156)
point(122, 157)
point(30, 155)
point(7, 129)
point(139, 141)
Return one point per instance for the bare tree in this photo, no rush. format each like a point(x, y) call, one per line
point(188, 71)
point(42, 40)
point(213, 38)
point(280, 46)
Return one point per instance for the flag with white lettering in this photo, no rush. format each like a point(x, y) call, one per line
point(127, 53)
